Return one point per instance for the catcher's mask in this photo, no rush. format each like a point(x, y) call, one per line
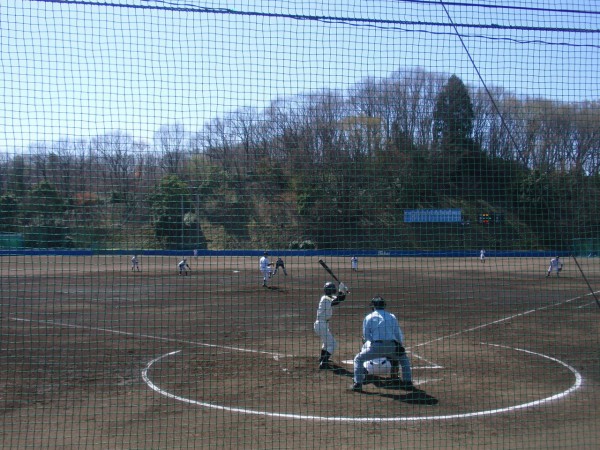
point(329, 288)
point(378, 302)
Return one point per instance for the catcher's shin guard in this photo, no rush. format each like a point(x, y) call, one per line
point(394, 370)
point(324, 362)
point(324, 355)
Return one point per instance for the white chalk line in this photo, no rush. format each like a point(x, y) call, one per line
point(578, 383)
point(148, 336)
point(521, 314)
point(587, 305)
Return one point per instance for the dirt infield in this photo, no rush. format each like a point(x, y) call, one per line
point(94, 355)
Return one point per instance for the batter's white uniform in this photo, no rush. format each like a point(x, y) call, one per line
point(321, 325)
point(264, 266)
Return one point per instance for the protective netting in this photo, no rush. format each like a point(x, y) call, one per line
point(173, 172)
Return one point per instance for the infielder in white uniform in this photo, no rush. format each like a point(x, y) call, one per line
point(265, 267)
point(135, 264)
point(482, 256)
point(555, 265)
point(183, 267)
point(354, 263)
point(321, 325)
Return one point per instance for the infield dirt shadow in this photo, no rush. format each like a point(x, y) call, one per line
point(415, 396)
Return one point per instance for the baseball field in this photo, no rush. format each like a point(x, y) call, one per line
point(95, 355)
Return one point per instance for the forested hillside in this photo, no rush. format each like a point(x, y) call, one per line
point(326, 169)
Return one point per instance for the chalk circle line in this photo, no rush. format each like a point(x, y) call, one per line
point(578, 383)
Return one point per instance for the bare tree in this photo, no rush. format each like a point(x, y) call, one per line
point(416, 92)
point(219, 144)
point(367, 122)
point(171, 140)
point(290, 127)
point(492, 122)
point(584, 151)
point(116, 153)
point(325, 110)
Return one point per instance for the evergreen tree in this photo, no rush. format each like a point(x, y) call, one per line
point(453, 117)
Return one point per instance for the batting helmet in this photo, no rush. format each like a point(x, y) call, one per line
point(329, 288)
point(378, 302)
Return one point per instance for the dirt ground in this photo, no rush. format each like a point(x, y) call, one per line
point(95, 355)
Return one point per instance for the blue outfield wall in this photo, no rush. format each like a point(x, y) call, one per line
point(275, 252)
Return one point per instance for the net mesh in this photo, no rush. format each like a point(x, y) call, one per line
point(172, 172)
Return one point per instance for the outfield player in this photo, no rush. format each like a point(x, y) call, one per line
point(135, 264)
point(555, 266)
point(482, 256)
point(183, 267)
point(279, 264)
point(265, 266)
point(354, 263)
point(382, 338)
point(324, 314)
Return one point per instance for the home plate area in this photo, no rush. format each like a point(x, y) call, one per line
point(466, 379)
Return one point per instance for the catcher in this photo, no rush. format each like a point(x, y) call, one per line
point(555, 266)
point(382, 338)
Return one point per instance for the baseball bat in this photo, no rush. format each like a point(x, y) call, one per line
point(329, 271)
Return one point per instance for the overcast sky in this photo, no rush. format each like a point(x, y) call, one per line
point(74, 71)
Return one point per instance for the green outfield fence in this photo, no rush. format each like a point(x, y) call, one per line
point(586, 247)
point(11, 240)
point(152, 151)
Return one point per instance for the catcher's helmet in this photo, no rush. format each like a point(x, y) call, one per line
point(329, 288)
point(378, 302)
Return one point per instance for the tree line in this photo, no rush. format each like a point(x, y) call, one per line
point(324, 169)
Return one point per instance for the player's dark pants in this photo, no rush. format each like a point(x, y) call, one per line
point(280, 267)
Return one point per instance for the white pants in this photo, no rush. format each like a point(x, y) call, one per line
point(322, 330)
point(266, 274)
point(385, 349)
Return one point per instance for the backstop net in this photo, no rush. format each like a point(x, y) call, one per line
point(173, 172)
